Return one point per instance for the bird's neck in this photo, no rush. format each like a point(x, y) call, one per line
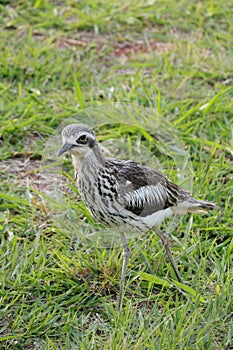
point(93, 160)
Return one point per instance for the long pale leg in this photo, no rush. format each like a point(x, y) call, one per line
point(126, 255)
point(169, 254)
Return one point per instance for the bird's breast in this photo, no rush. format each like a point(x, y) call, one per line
point(98, 190)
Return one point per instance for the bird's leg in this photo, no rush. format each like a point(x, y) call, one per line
point(126, 255)
point(164, 239)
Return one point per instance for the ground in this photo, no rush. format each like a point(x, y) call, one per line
point(58, 58)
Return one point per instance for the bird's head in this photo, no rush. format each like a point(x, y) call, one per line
point(78, 140)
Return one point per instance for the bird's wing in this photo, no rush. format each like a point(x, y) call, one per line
point(145, 191)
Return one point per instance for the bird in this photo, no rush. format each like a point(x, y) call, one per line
point(124, 194)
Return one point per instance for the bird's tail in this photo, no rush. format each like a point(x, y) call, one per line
point(201, 207)
point(193, 206)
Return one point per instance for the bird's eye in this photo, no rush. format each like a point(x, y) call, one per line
point(82, 139)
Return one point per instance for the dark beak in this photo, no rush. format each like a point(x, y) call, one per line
point(64, 149)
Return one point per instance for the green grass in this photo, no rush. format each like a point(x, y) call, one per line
point(58, 58)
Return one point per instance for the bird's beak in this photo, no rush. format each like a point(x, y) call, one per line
point(64, 149)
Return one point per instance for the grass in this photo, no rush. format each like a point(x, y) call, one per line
point(58, 59)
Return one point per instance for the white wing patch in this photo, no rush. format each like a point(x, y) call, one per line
point(152, 195)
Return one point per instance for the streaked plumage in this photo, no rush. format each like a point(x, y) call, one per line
point(122, 192)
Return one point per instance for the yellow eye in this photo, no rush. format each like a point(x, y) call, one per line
point(82, 139)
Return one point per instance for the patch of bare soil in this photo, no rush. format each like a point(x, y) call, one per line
point(116, 46)
point(26, 172)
